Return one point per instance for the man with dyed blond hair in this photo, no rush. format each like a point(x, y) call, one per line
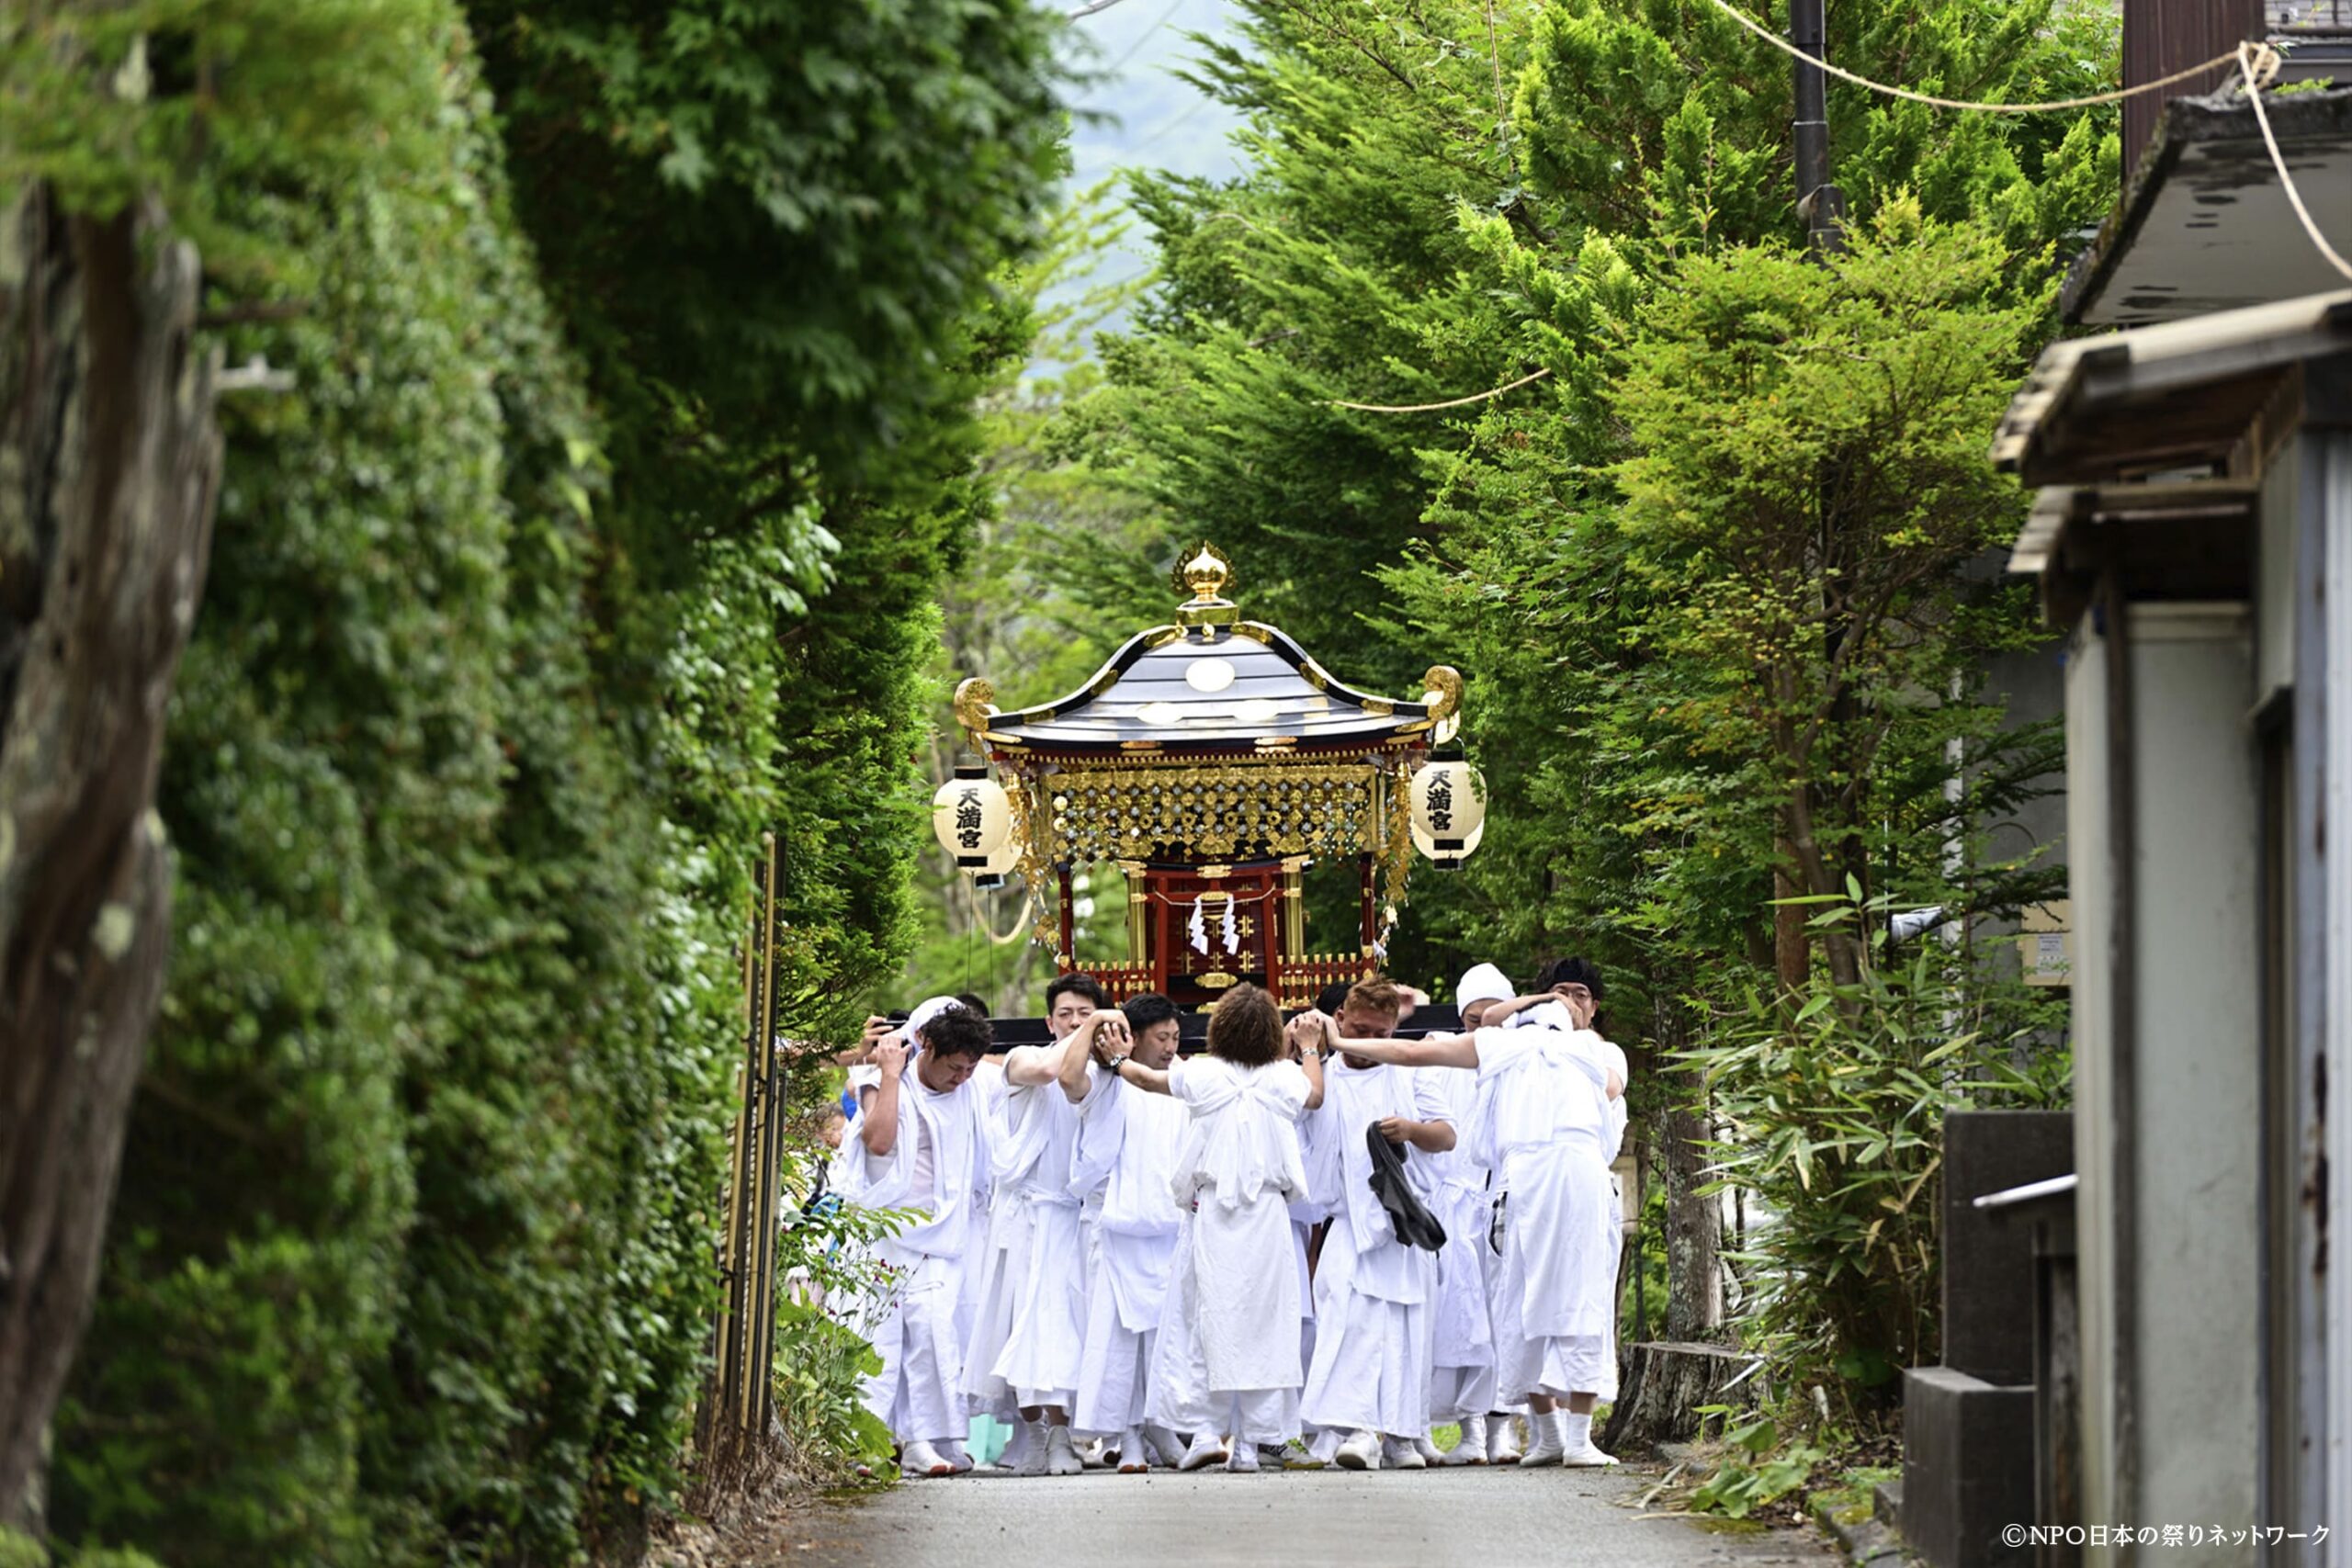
point(1375, 1293)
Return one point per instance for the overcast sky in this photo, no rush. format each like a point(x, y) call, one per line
point(1151, 118)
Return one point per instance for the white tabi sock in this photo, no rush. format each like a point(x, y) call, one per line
point(1544, 1446)
point(1017, 1448)
point(1575, 1430)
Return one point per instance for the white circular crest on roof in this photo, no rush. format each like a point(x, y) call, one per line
point(1257, 710)
point(1161, 713)
point(1209, 674)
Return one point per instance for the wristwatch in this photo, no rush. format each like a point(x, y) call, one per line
point(1115, 1063)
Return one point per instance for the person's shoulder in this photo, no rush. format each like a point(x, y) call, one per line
point(1498, 1044)
point(1289, 1075)
point(1026, 1055)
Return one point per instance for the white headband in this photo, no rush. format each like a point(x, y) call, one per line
point(924, 1012)
point(1483, 983)
point(1543, 1015)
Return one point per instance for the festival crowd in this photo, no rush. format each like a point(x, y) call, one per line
point(1313, 1233)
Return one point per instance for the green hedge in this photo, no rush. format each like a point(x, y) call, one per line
point(517, 637)
point(407, 1263)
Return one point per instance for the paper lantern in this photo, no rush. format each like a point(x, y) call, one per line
point(1449, 808)
point(971, 816)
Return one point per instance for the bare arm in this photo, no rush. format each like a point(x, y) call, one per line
point(1430, 1137)
point(1149, 1079)
point(1437, 1051)
point(1034, 1066)
point(877, 1026)
point(1311, 1063)
point(880, 1133)
point(1106, 1031)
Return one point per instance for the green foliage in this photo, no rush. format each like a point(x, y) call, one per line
point(1807, 484)
point(1051, 583)
point(590, 545)
point(786, 301)
point(833, 1291)
point(18, 1551)
point(1832, 1124)
point(196, 104)
point(836, 186)
point(1405, 234)
point(1756, 1471)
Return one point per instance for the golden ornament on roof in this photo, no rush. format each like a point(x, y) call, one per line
point(1204, 574)
point(974, 701)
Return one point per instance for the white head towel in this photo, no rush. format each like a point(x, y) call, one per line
point(1483, 983)
point(1543, 1015)
point(924, 1012)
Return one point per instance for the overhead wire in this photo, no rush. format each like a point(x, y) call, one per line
point(2258, 65)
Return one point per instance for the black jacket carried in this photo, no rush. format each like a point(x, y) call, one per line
point(1414, 1224)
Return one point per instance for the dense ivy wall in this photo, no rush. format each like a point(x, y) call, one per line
point(516, 638)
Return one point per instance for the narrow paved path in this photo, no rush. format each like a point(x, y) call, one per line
point(1470, 1518)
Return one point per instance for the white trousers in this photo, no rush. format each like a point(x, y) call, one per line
point(1115, 1382)
point(1370, 1370)
point(1260, 1416)
point(1197, 1324)
point(1458, 1393)
point(915, 1393)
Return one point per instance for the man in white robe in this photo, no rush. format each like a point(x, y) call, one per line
point(1128, 1142)
point(1223, 1364)
point(1375, 1293)
point(920, 1143)
point(1029, 1323)
point(1542, 1129)
point(1462, 1355)
point(1577, 983)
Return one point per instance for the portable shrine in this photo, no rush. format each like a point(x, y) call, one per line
point(1212, 761)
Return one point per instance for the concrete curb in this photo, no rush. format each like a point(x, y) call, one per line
point(1865, 1539)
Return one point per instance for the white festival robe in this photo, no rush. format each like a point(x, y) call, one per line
point(1375, 1296)
point(1555, 1015)
point(1218, 1366)
point(988, 1081)
point(940, 1164)
point(1461, 1359)
point(1543, 1129)
point(1029, 1317)
point(1128, 1140)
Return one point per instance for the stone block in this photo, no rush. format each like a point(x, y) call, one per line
point(1988, 1264)
point(1967, 1467)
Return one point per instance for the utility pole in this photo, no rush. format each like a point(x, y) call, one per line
point(1821, 204)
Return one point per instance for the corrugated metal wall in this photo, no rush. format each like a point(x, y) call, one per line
point(2161, 37)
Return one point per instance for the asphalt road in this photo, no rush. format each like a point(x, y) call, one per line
point(1474, 1518)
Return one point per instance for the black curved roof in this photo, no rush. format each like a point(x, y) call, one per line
point(1209, 688)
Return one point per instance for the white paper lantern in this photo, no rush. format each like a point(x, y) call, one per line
point(1001, 865)
point(1448, 810)
point(971, 816)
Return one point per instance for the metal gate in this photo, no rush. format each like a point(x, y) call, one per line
point(741, 1397)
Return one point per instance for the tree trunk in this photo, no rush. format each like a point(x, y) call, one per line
point(1791, 943)
point(1659, 1403)
point(109, 461)
point(1694, 1225)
